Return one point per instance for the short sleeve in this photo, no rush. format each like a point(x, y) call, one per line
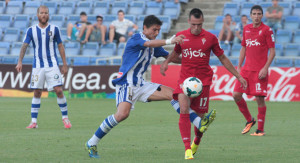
point(130, 23)
point(57, 36)
point(243, 43)
point(160, 52)
point(138, 40)
point(28, 36)
point(177, 47)
point(218, 51)
point(270, 38)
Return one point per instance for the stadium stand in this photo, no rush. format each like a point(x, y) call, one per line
point(231, 8)
point(153, 7)
point(283, 62)
point(52, 5)
point(21, 22)
point(66, 8)
point(11, 34)
point(119, 5)
point(14, 7)
point(30, 7)
point(296, 11)
point(9, 60)
point(2, 7)
point(85, 6)
point(72, 48)
point(292, 49)
point(15, 48)
point(171, 9)
point(81, 61)
point(137, 8)
point(291, 23)
point(108, 50)
point(4, 47)
point(235, 50)
point(283, 36)
point(296, 38)
point(5, 21)
point(58, 20)
point(90, 49)
point(121, 48)
point(101, 7)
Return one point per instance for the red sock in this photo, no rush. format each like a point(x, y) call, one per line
point(244, 109)
point(198, 136)
point(185, 130)
point(261, 118)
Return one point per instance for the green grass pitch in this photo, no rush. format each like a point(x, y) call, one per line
point(150, 134)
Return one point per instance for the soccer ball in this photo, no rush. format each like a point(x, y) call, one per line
point(192, 87)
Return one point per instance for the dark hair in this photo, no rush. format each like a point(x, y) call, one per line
point(197, 13)
point(83, 13)
point(99, 16)
point(228, 15)
point(42, 6)
point(121, 11)
point(245, 16)
point(256, 7)
point(151, 20)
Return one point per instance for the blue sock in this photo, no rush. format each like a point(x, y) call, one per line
point(104, 128)
point(194, 118)
point(62, 103)
point(35, 107)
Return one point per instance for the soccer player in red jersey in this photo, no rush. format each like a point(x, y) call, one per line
point(195, 50)
point(258, 39)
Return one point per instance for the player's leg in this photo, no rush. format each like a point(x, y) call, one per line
point(62, 103)
point(260, 116)
point(111, 33)
point(35, 107)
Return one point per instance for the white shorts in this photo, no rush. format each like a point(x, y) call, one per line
point(51, 75)
point(132, 94)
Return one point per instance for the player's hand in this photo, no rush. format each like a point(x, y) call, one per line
point(178, 40)
point(243, 82)
point(64, 70)
point(19, 67)
point(262, 73)
point(163, 68)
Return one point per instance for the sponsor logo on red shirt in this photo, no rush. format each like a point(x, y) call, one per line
point(250, 43)
point(192, 53)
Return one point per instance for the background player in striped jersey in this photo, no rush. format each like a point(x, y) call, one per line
point(130, 85)
point(44, 36)
point(258, 39)
point(195, 51)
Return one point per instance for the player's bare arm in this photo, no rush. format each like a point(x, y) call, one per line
point(22, 54)
point(62, 53)
point(241, 58)
point(228, 65)
point(264, 71)
point(173, 57)
point(158, 43)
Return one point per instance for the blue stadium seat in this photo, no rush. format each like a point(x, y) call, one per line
point(92, 18)
point(119, 5)
point(166, 26)
point(137, 8)
point(292, 50)
point(52, 5)
point(107, 19)
point(108, 50)
point(2, 7)
point(235, 50)
point(296, 37)
point(101, 7)
point(291, 22)
point(58, 20)
point(234, 61)
point(66, 8)
point(121, 48)
point(4, 48)
point(153, 7)
point(297, 63)
point(214, 61)
point(246, 7)
point(85, 6)
point(9, 60)
point(219, 22)
point(90, 49)
point(231, 8)
point(27, 60)
point(14, 7)
point(117, 61)
point(214, 31)
point(30, 7)
point(98, 61)
point(21, 22)
point(72, 19)
point(296, 11)
point(131, 18)
point(287, 8)
point(5, 21)
point(72, 48)
point(265, 6)
point(15, 48)
point(81, 61)
point(278, 49)
point(171, 9)
point(283, 62)
point(63, 34)
point(11, 34)
point(283, 36)
point(226, 48)
point(140, 21)
point(34, 20)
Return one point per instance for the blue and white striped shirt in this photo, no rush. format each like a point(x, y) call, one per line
point(43, 41)
point(136, 59)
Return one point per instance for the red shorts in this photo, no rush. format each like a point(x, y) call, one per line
point(256, 87)
point(198, 104)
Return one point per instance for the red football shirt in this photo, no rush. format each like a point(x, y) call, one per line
point(257, 42)
point(195, 52)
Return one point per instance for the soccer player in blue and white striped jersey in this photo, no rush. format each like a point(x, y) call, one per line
point(44, 37)
point(130, 85)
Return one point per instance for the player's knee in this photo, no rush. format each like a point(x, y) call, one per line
point(122, 39)
point(58, 92)
point(237, 96)
point(37, 93)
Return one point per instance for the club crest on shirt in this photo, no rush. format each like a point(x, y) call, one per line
point(49, 33)
point(56, 76)
point(203, 41)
